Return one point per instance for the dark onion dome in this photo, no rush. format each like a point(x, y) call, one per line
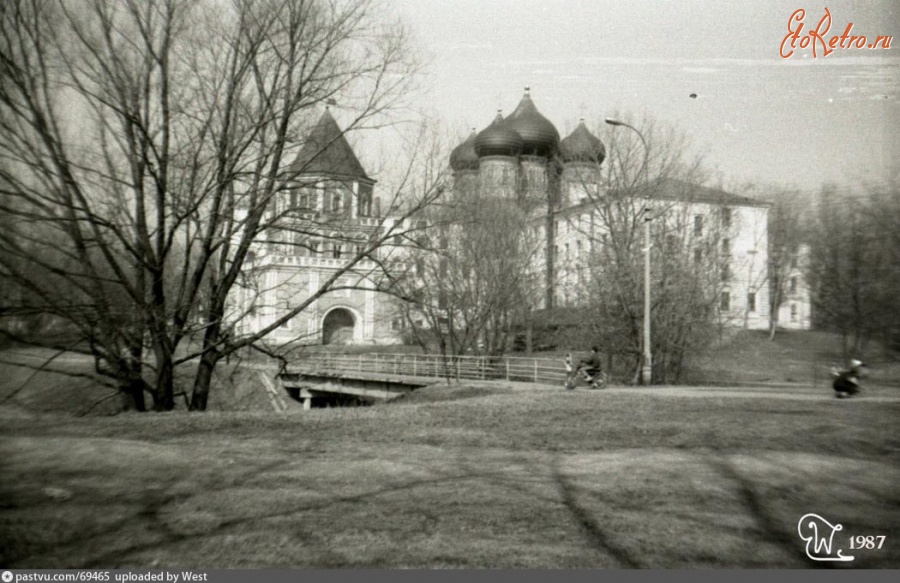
point(498, 140)
point(463, 156)
point(582, 146)
point(539, 136)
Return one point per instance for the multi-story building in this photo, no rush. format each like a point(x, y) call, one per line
point(521, 158)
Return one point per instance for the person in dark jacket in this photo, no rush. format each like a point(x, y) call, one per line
point(591, 365)
point(846, 383)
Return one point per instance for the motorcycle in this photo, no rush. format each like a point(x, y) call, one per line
point(577, 378)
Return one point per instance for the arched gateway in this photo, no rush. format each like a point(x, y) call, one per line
point(338, 327)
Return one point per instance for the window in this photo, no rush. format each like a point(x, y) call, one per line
point(336, 202)
point(793, 312)
point(793, 285)
point(313, 248)
point(725, 303)
point(726, 272)
point(698, 255)
point(276, 244)
point(307, 199)
point(365, 200)
point(336, 251)
point(422, 238)
point(751, 302)
point(671, 242)
point(398, 324)
point(698, 225)
point(726, 246)
point(726, 218)
point(286, 324)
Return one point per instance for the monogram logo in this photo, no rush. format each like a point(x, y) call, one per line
point(819, 536)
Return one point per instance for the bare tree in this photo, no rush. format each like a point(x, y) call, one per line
point(146, 145)
point(853, 264)
point(688, 225)
point(472, 280)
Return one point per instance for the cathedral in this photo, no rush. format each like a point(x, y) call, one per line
point(521, 158)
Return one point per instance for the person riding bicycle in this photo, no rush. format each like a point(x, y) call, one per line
point(846, 383)
point(592, 365)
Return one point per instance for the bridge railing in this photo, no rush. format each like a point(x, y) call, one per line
point(510, 368)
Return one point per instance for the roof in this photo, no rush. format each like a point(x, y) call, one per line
point(682, 191)
point(326, 151)
point(539, 136)
point(679, 190)
point(463, 156)
point(582, 146)
point(498, 139)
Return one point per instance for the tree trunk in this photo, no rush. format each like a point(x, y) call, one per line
point(165, 380)
point(203, 379)
point(132, 393)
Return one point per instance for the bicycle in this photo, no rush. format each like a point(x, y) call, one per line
point(576, 377)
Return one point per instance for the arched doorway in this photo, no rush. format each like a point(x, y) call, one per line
point(337, 327)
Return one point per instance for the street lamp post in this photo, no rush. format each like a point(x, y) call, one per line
point(647, 365)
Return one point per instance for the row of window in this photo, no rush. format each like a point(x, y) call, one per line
point(330, 199)
point(315, 249)
point(725, 301)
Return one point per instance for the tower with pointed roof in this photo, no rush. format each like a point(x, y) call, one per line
point(318, 223)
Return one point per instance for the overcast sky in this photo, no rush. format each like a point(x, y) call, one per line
point(758, 117)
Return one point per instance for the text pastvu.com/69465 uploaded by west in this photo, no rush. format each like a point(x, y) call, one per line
point(101, 576)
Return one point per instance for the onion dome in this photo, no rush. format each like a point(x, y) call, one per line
point(539, 136)
point(498, 140)
point(463, 156)
point(582, 146)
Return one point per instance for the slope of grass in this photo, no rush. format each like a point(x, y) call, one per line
point(509, 477)
point(64, 385)
point(802, 357)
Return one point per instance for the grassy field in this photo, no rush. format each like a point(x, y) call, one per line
point(493, 475)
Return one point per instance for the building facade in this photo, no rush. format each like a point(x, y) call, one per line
point(324, 220)
point(521, 158)
point(795, 311)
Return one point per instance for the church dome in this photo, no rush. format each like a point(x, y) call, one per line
point(582, 146)
point(463, 156)
point(539, 136)
point(498, 139)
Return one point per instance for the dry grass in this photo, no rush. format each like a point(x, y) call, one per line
point(486, 476)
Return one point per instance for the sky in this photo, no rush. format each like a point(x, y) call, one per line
point(757, 117)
